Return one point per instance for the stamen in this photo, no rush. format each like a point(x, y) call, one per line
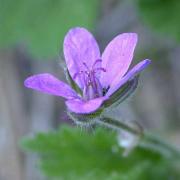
point(78, 73)
point(86, 66)
point(92, 86)
point(97, 61)
point(105, 90)
point(99, 69)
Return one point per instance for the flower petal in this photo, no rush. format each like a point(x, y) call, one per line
point(47, 83)
point(79, 47)
point(117, 57)
point(84, 107)
point(117, 83)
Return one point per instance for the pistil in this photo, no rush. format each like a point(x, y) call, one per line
point(92, 86)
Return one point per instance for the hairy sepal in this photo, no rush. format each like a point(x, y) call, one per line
point(85, 119)
point(123, 93)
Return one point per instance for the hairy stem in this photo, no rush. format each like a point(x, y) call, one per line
point(147, 140)
point(119, 125)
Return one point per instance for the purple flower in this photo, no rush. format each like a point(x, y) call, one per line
point(97, 76)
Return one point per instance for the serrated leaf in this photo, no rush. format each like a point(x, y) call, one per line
point(71, 153)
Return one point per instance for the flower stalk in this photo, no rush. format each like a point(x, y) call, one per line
point(118, 125)
point(146, 140)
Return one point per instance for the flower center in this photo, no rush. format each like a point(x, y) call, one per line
point(92, 88)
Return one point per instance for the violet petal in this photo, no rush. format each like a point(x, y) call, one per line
point(47, 83)
point(80, 47)
point(117, 57)
point(117, 83)
point(84, 107)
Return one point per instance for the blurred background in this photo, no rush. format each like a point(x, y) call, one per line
point(31, 39)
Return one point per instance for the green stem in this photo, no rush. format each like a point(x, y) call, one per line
point(110, 122)
point(155, 143)
point(147, 140)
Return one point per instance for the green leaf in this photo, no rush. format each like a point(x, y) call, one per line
point(71, 153)
point(162, 15)
point(41, 25)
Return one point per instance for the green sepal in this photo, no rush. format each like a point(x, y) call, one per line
point(72, 82)
point(85, 118)
point(123, 93)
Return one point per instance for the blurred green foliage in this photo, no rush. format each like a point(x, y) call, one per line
point(162, 15)
point(76, 154)
point(41, 24)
